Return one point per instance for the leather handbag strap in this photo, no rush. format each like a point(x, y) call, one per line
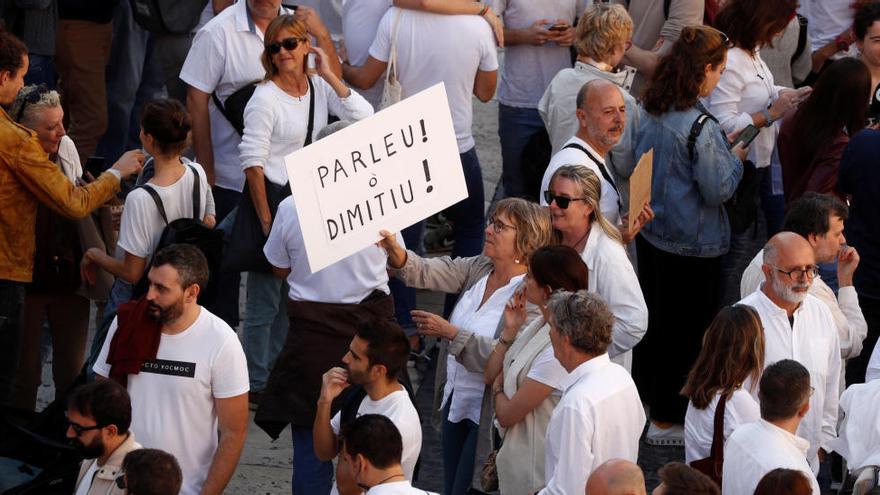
point(311, 112)
point(717, 450)
point(599, 164)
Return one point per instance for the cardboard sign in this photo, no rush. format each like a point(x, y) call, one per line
point(640, 187)
point(387, 171)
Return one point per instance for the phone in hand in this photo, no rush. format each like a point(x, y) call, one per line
point(96, 165)
point(559, 27)
point(748, 134)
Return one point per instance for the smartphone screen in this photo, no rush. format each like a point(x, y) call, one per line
point(558, 27)
point(746, 136)
point(96, 165)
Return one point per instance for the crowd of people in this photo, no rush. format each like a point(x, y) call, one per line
point(736, 316)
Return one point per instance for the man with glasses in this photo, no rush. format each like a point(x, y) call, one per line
point(98, 417)
point(799, 326)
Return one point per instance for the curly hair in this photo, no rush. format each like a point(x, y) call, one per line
point(12, 52)
point(679, 76)
point(584, 318)
point(602, 27)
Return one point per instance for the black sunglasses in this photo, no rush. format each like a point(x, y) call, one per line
point(30, 98)
point(288, 44)
point(561, 201)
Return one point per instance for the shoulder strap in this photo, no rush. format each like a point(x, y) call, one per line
point(197, 192)
point(391, 70)
point(717, 450)
point(802, 37)
point(156, 199)
point(666, 5)
point(696, 129)
point(350, 406)
point(598, 163)
point(311, 112)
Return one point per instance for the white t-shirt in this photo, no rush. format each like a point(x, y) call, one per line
point(348, 281)
point(468, 386)
point(360, 20)
point(873, 371)
point(86, 483)
point(528, 69)
point(225, 56)
point(172, 398)
point(433, 48)
point(699, 424)
point(547, 370)
point(397, 407)
point(827, 19)
point(276, 124)
point(142, 225)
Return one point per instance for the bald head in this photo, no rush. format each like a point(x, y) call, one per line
point(599, 90)
point(788, 263)
point(786, 247)
point(601, 114)
point(617, 477)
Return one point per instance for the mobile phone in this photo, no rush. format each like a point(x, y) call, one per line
point(746, 136)
point(96, 165)
point(559, 27)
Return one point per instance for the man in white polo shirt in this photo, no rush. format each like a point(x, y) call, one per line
point(799, 326)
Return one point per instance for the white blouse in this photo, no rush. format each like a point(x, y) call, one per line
point(699, 424)
point(483, 321)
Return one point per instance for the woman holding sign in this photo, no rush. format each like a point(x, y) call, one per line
point(287, 108)
point(486, 283)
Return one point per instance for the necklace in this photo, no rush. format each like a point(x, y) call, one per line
point(390, 477)
point(578, 243)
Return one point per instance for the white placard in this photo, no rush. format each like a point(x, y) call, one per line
point(387, 171)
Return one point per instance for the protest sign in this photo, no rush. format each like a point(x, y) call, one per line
point(387, 171)
point(640, 187)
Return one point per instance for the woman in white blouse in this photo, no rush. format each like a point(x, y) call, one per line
point(573, 197)
point(277, 123)
point(486, 283)
point(525, 376)
point(732, 355)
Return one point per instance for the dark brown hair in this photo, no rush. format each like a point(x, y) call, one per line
point(751, 24)
point(386, 345)
point(679, 76)
point(782, 481)
point(784, 389)
point(12, 52)
point(168, 123)
point(733, 350)
point(151, 472)
point(681, 479)
point(559, 267)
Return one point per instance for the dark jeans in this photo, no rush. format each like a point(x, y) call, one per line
point(41, 70)
point(226, 304)
point(856, 367)
point(459, 452)
point(525, 151)
point(11, 306)
point(682, 295)
point(310, 476)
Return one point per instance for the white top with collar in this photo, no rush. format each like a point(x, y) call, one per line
point(757, 448)
point(811, 341)
point(599, 417)
point(397, 488)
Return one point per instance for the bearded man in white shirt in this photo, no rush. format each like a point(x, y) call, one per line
point(755, 449)
point(600, 415)
point(799, 326)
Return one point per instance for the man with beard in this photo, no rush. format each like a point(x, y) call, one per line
point(376, 355)
point(799, 326)
point(98, 417)
point(197, 383)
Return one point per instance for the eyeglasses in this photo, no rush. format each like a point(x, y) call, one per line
point(799, 273)
point(561, 201)
point(30, 98)
point(79, 429)
point(498, 226)
point(288, 44)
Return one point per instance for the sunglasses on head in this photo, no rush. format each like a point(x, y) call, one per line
point(288, 44)
point(30, 98)
point(561, 201)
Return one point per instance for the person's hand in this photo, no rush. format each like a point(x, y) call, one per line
point(266, 226)
point(645, 216)
point(322, 66)
point(88, 270)
point(334, 381)
point(847, 262)
point(210, 221)
point(514, 315)
point(740, 151)
point(431, 325)
point(312, 21)
point(537, 34)
point(342, 51)
point(788, 100)
point(396, 254)
point(130, 163)
point(496, 25)
point(564, 37)
point(498, 385)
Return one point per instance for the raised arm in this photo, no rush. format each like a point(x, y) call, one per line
point(458, 7)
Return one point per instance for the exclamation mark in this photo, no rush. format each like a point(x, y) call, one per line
point(424, 134)
point(427, 171)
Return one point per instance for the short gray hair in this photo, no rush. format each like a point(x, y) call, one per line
point(584, 318)
point(332, 128)
point(31, 114)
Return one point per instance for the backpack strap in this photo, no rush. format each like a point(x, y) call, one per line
point(602, 169)
point(350, 406)
point(696, 129)
point(666, 6)
point(311, 112)
point(156, 199)
point(802, 37)
point(197, 192)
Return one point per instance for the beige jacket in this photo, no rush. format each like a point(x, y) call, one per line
point(104, 481)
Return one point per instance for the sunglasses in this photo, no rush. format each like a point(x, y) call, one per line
point(288, 44)
point(30, 98)
point(561, 201)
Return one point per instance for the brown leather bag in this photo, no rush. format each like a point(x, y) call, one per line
point(712, 466)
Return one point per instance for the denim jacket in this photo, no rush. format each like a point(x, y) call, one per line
point(688, 195)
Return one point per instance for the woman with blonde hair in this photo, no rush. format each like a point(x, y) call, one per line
point(732, 358)
point(573, 197)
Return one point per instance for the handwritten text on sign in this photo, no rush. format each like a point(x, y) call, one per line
point(388, 171)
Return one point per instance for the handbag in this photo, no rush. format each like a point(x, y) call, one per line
point(393, 91)
point(712, 466)
point(489, 473)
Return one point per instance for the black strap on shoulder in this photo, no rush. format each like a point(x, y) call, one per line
point(602, 169)
point(802, 37)
point(696, 129)
point(156, 199)
point(197, 192)
point(666, 6)
point(311, 112)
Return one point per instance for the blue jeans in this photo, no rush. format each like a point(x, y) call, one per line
point(265, 325)
point(41, 70)
point(310, 476)
point(516, 128)
point(459, 453)
point(405, 297)
point(226, 304)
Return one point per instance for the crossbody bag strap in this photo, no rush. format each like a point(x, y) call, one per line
point(391, 70)
point(602, 169)
point(717, 450)
point(197, 192)
point(311, 112)
point(156, 199)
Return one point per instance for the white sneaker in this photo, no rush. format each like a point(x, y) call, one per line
point(674, 435)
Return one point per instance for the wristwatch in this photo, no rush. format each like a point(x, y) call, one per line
point(766, 113)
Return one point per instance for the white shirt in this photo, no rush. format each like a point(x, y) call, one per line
point(86, 483)
point(813, 343)
point(348, 281)
point(599, 417)
point(276, 123)
point(397, 488)
point(828, 18)
point(611, 275)
point(397, 407)
point(699, 424)
point(609, 201)
point(848, 319)
point(468, 386)
point(432, 48)
point(873, 371)
point(547, 370)
point(746, 87)
point(225, 56)
point(528, 69)
point(859, 439)
point(754, 450)
point(360, 20)
point(141, 225)
point(173, 397)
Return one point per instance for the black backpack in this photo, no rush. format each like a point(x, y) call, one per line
point(187, 231)
point(167, 16)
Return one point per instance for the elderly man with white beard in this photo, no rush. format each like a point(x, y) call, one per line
point(799, 326)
